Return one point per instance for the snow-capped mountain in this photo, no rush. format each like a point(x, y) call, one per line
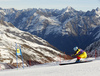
point(94, 12)
point(34, 48)
point(94, 49)
point(63, 28)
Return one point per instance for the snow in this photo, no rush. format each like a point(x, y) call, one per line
point(52, 20)
point(98, 12)
point(97, 35)
point(4, 53)
point(2, 11)
point(53, 69)
point(67, 20)
point(68, 9)
point(35, 14)
point(38, 26)
point(55, 29)
point(11, 35)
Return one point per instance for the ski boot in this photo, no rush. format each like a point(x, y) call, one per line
point(78, 61)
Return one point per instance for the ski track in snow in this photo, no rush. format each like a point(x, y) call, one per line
point(52, 69)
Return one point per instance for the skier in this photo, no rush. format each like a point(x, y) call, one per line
point(79, 53)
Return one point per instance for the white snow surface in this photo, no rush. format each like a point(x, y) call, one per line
point(53, 69)
point(97, 35)
point(38, 48)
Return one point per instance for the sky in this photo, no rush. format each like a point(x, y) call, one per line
point(83, 5)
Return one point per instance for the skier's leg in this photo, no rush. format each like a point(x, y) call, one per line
point(78, 59)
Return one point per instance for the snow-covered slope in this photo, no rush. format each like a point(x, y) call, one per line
point(95, 35)
point(34, 48)
point(94, 49)
point(82, 69)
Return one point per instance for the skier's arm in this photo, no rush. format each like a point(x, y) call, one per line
point(76, 53)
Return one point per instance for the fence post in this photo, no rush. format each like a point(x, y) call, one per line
point(95, 54)
point(0, 67)
point(64, 55)
point(30, 62)
point(87, 54)
point(60, 58)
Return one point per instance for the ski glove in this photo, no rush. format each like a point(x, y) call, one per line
point(72, 55)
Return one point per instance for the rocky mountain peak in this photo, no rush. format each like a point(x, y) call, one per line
point(97, 9)
point(68, 9)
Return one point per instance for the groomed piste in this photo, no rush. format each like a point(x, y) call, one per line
point(54, 69)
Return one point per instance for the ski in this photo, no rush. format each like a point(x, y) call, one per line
point(75, 62)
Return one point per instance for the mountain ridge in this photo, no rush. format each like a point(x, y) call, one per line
point(34, 49)
point(56, 26)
